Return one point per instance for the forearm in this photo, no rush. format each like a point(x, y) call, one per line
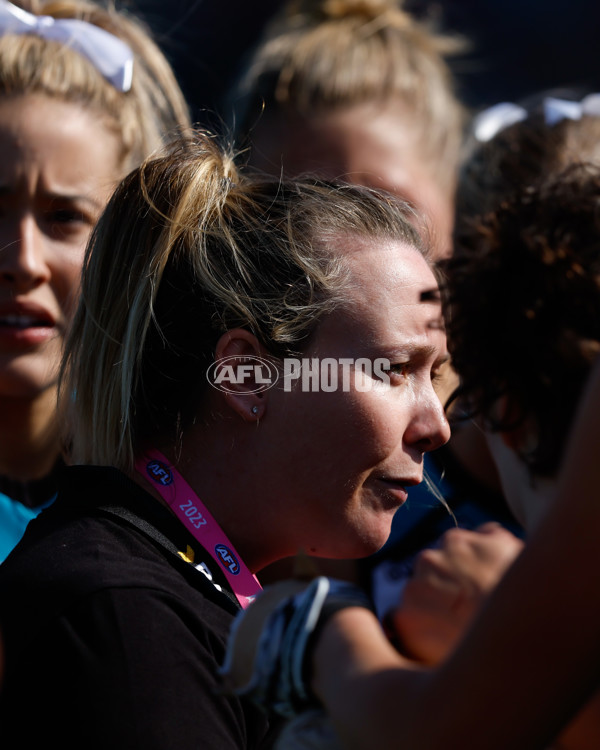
point(481, 698)
point(362, 680)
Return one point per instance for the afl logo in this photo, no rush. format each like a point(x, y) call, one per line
point(242, 374)
point(159, 473)
point(228, 559)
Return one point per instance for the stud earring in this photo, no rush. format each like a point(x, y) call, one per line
point(255, 410)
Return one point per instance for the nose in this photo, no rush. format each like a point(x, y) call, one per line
point(429, 428)
point(23, 263)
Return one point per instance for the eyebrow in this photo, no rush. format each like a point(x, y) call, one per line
point(8, 190)
point(421, 352)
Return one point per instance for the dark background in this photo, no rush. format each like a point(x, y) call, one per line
point(518, 47)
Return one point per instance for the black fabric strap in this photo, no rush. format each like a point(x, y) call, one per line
point(147, 528)
point(142, 524)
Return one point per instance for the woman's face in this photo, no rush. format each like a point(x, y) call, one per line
point(366, 145)
point(58, 166)
point(341, 458)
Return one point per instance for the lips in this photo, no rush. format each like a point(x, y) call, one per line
point(22, 321)
point(25, 324)
point(397, 486)
point(401, 481)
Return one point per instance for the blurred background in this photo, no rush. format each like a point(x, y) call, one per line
point(516, 46)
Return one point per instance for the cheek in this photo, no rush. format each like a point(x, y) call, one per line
point(361, 431)
point(66, 275)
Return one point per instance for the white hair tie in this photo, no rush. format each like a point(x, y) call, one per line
point(495, 119)
point(556, 110)
point(107, 53)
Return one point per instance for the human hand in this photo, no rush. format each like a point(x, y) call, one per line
point(447, 588)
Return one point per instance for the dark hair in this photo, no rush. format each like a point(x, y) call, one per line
point(522, 154)
point(522, 300)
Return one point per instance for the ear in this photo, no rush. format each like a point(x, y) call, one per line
point(243, 373)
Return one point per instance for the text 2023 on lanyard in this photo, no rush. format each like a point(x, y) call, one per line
point(192, 512)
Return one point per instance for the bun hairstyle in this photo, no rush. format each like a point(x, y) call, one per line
point(186, 250)
point(144, 117)
point(319, 55)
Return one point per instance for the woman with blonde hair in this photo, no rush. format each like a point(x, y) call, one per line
point(510, 668)
point(85, 95)
point(358, 90)
point(511, 147)
point(249, 373)
point(362, 90)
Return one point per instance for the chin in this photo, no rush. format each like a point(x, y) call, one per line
point(26, 385)
point(27, 377)
point(375, 530)
point(350, 549)
point(369, 540)
point(352, 536)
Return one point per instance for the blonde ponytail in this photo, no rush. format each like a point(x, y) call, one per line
point(186, 250)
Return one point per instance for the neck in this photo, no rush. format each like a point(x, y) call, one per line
point(29, 440)
point(232, 508)
point(182, 499)
point(229, 488)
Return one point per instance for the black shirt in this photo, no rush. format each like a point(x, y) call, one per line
point(112, 632)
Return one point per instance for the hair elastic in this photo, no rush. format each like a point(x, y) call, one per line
point(495, 119)
point(107, 53)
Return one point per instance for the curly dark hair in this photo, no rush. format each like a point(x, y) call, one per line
point(522, 299)
point(520, 155)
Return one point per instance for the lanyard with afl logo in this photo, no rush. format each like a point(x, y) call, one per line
point(191, 511)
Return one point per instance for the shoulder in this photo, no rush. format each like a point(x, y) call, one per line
point(76, 556)
point(131, 663)
point(100, 617)
point(14, 517)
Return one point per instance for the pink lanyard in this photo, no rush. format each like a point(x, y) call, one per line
point(191, 511)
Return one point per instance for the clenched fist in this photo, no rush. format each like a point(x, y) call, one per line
point(447, 588)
